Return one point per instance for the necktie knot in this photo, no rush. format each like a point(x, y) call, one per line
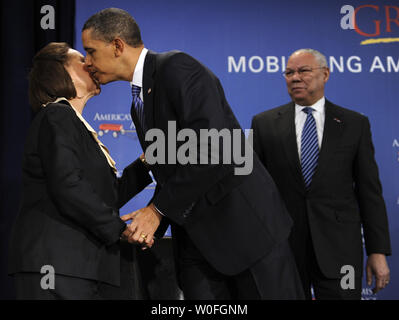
point(308, 110)
point(136, 91)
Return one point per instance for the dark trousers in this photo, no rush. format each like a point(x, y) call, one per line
point(28, 287)
point(72, 288)
point(324, 288)
point(273, 277)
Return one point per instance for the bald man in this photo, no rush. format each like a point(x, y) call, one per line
point(321, 157)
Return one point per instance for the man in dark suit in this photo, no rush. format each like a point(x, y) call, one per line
point(321, 157)
point(230, 231)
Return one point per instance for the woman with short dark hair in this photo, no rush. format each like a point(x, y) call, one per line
point(65, 242)
point(48, 78)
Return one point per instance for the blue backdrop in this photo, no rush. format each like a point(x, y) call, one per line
point(246, 44)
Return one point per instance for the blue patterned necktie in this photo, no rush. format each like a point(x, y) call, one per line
point(139, 106)
point(309, 147)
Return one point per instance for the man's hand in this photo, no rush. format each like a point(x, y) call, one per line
point(143, 226)
point(125, 237)
point(377, 265)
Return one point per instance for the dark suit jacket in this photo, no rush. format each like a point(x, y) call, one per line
point(345, 192)
point(69, 214)
point(233, 220)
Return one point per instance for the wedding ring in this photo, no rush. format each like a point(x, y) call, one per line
point(144, 236)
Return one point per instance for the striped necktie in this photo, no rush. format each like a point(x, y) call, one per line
point(139, 106)
point(309, 147)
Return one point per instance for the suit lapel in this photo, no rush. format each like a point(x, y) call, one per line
point(333, 129)
point(148, 82)
point(139, 130)
point(148, 88)
point(286, 131)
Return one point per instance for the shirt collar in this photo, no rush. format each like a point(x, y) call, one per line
point(318, 106)
point(138, 71)
point(89, 127)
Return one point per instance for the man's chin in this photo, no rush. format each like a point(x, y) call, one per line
point(98, 79)
point(104, 81)
point(97, 90)
point(106, 78)
point(298, 98)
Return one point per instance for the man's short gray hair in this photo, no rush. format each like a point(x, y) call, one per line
point(320, 58)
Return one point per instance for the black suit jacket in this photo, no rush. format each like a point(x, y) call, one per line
point(233, 220)
point(69, 214)
point(345, 193)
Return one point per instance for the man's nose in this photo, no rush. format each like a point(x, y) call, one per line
point(88, 66)
point(295, 77)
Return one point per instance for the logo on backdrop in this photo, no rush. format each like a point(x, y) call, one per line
point(115, 124)
point(376, 23)
point(372, 21)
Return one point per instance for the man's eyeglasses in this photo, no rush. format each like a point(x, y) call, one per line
point(302, 72)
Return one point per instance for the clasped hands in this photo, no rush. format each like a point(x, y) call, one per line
point(144, 223)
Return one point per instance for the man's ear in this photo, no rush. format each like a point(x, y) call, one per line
point(326, 74)
point(119, 46)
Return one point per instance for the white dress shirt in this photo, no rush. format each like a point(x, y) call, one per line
point(319, 115)
point(138, 72)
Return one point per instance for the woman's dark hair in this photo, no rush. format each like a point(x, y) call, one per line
point(48, 78)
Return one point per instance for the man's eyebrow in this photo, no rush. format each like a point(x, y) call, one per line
point(87, 49)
